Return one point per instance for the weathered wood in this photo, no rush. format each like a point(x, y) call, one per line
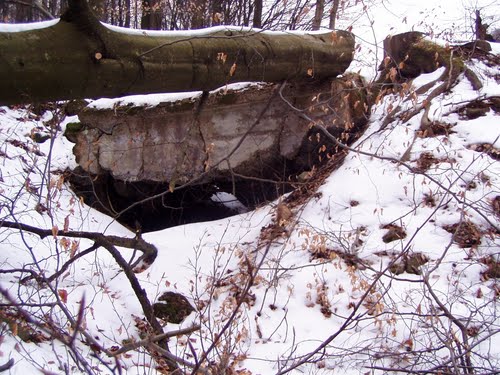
point(81, 58)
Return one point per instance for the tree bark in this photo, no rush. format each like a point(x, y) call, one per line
point(127, 13)
point(333, 14)
point(318, 14)
point(257, 14)
point(151, 15)
point(81, 58)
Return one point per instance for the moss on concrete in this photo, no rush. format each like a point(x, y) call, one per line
point(72, 130)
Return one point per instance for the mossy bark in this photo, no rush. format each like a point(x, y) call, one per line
point(81, 58)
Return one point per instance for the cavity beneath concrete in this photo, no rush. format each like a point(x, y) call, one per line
point(150, 206)
point(252, 142)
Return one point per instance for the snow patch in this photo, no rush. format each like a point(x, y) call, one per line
point(152, 100)
point(19, 27)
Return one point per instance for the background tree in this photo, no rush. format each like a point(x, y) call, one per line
point(257, 15)
point(151, 15)
point(333, 14)
point(318, 14)
point(194, 14)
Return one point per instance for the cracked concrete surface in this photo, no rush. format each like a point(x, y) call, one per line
point(179, 140)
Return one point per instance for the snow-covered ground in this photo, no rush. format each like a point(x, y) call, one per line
point(326, 285)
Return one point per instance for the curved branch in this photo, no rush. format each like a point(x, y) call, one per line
point(6, 366)
point(149, 251)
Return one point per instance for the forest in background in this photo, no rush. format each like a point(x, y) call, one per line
point(392, 258)
point(192, 14)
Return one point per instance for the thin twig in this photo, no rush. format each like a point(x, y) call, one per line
point(152, 339)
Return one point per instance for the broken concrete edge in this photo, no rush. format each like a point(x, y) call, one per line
point(241, 121)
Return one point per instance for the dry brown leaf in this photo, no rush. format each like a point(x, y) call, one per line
point(63, 294)
point(232, 70)
point(66, 224)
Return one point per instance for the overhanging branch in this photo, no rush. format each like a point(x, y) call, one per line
point(149, 251)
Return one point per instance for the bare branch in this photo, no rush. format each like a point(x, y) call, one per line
point(155, 338)
point(149, 251)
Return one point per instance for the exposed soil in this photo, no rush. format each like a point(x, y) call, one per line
point(425, 161)
point(394, 233)
point(465, 234)
point(173, 308)
point(487, 148)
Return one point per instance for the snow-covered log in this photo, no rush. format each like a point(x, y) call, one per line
point(78, 57)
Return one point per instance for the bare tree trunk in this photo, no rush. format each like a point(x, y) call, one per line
point(127, 13)
point(53, 7)
point(136, 15)
point(21, 14)
point(333, 14)
point(481, 28)
point(80, 58)
point(112, 12)
point(257, 14)
point(318, 14)
point(198, 14)
point(120, 13)
point(151, 15)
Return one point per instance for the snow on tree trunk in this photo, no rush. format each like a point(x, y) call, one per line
point(81, 58)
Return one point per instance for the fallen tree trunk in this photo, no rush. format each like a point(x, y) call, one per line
point(79, 57)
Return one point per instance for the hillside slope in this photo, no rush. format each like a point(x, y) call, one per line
point(389, 263)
